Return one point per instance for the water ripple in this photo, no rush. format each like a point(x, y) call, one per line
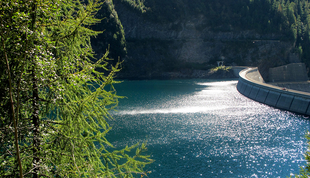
point(207, 129)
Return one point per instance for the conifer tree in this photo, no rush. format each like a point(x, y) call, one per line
point(54, 101)
point(305, 172)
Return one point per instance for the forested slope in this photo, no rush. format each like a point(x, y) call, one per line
point(224, 29)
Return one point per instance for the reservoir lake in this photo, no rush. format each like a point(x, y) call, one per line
point(206, 128)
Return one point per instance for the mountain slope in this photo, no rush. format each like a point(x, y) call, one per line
point(183, 36)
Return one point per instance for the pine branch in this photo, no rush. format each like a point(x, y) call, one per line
point(60, 94)
point(74, 159)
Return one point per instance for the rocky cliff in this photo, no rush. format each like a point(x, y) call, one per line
point(187, 47)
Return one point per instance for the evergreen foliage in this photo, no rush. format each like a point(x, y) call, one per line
point(305, 172)
point(54, 101)
point(113, 37)
point(138, 5)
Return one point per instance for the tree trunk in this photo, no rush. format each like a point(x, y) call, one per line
point(35, 104)
point(36, 126)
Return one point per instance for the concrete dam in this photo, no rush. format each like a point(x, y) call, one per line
point(279, 95)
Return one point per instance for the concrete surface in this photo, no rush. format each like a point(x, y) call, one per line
point(278, 95)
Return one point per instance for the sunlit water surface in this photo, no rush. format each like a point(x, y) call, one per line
point(205, 128)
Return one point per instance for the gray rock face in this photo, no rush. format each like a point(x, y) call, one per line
point(156, 48)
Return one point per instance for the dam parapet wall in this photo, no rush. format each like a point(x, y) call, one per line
point(251, 85)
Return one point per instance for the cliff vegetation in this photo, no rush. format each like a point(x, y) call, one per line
point(158, 36)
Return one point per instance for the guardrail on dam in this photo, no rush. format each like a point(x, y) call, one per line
point(294, 101)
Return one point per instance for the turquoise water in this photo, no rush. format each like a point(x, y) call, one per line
point(205, 128)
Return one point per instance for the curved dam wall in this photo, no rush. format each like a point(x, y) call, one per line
point(251, 86)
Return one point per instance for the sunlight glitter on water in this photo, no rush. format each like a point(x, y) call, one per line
point(207, 129)
point(183, 110)
point(220, 83)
